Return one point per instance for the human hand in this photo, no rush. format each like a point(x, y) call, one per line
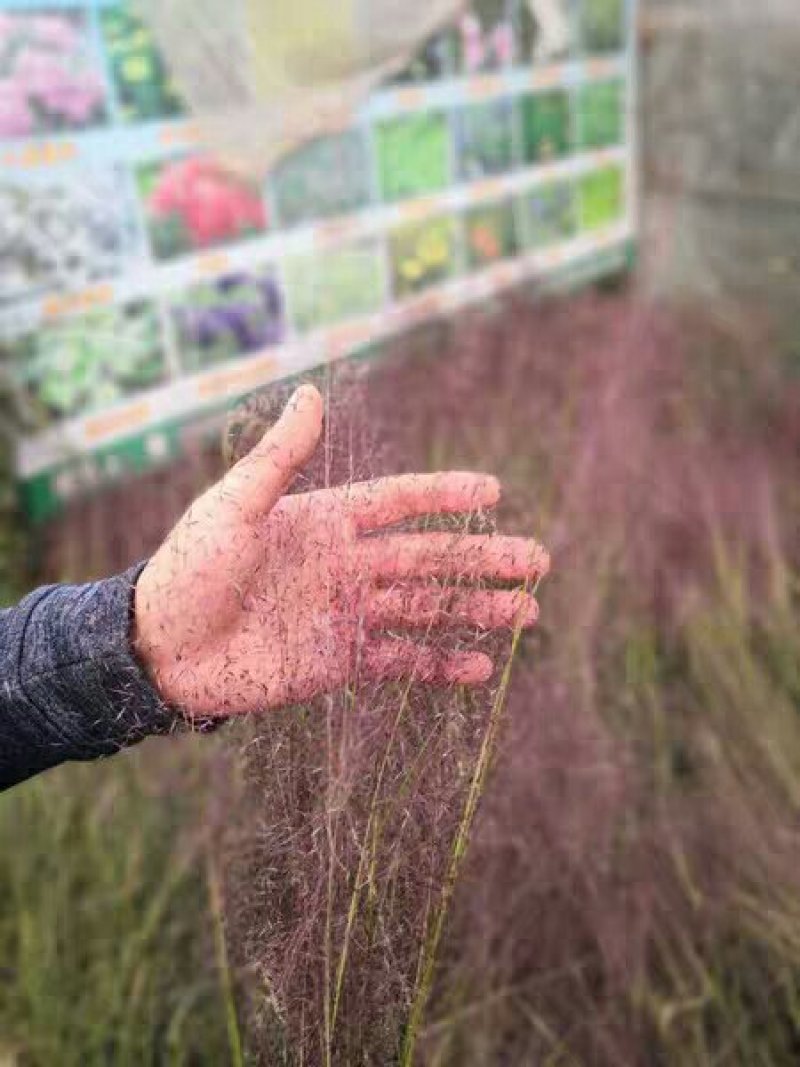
point(257, 599)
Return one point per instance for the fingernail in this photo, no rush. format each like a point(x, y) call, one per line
point(306, 394)
point(471, 670)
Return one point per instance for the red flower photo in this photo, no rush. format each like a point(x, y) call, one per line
point(192, 204)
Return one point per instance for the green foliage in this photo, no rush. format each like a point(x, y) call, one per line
point(734, 982)
point(105, 930)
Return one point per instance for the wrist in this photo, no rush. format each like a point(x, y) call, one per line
point(157, 661)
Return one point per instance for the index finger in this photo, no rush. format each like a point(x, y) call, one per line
point(387, 501)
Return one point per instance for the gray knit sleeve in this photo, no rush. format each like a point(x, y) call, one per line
point(70, 685)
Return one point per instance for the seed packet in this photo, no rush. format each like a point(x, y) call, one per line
point(192, 204)
point(551, 214)
point(232, 316)
point(546, 126)
point(601, 114)
point(329, 176)
point(88, 362)
point(413, 156)
point(602, 25)
point(491, 234)
point(64, 230)
point(423, 254)
point(51, 79)
point(485, 143)
point(486, 37)
point(602, 196)
point(339, 284)
point(144, 88)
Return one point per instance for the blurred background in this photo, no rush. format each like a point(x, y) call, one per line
point(559, 243)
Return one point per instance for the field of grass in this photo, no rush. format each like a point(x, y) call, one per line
point(593, 862)
point(107, 926)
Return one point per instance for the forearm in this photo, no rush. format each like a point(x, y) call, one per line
point(70, 685)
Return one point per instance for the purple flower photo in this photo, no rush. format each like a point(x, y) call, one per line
point(232, 316)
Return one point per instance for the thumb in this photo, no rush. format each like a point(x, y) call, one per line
point(259, 480)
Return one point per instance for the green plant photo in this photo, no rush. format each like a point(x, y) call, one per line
point(413, 156)
point(90, 362)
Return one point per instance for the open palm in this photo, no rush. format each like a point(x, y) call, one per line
point(258, 599)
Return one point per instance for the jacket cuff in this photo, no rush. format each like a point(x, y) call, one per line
point(79, 671)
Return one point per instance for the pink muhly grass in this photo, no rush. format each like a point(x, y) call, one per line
point(628, 896)
point(382, 938)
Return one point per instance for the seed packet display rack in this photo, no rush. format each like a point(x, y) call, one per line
point(143, 288)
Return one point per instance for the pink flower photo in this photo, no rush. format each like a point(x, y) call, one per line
point(192, 204)
point(50, 79)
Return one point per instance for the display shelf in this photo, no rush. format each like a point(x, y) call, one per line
point(162, 140)
point(179, 398)
point(442, 193)
point(164, 279)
